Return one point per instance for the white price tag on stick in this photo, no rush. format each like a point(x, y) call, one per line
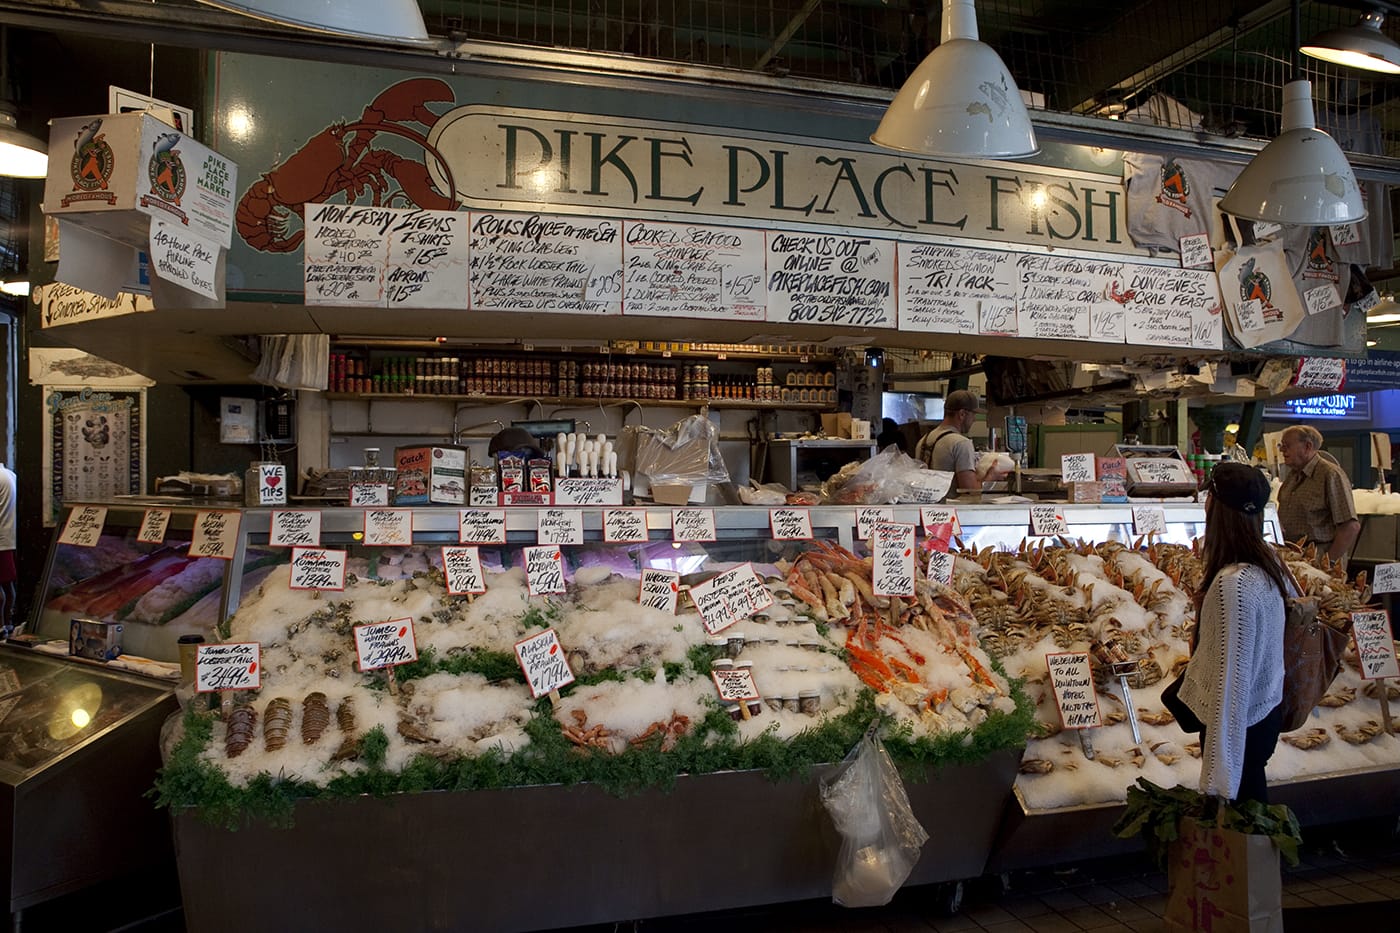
point(660, 590)
point(1387, 579)
point(385, 644)
point(1375, 644)
point(544, 569)
point(940, 567)
point(462, 568)
point(542, 659)
point(1073, 684)
point(235, 666)
point(893, 563)
point(735, 685)
point(153, 525)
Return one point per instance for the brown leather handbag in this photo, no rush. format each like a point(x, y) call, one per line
point(1312, 657)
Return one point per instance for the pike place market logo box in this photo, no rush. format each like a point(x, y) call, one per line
point(527, 160)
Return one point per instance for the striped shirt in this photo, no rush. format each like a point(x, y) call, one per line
point(1313, 501)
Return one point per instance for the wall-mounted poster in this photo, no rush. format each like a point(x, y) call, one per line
point(94, 446)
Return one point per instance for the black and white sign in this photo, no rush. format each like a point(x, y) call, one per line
point(1073, 685)
point(315, 568)
point(215, 534)
point(693, 525)
point(542, 659)
point(385, 644)
point(790, 524)
point(625, 526)
point(1375, 644)
point(462, 567)
point(868, 518)
point(388, 528)
point(892, 544)
point(819, 278)
point(693, 271)
point(1149, 519)
point(560, 526)
point(153, 525)
point(481, 526)
point(1047, 520)
point(298, 528)
point(1077, 468)
point(544, 569)
point(660, 589)
point(235, 666)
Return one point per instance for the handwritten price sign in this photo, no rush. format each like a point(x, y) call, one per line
point(693, 525)
point(544, 569)
point(560, 526)
point(462, 567)
point(215, 534)
point(1375, 644)
point(483, 495)
point(481, 526)
point(84, 526)
point(790, 524)
point(1147, 520)
point(727, 597)
point(1073, 685)
point(228, 667)
point(867, 519)
point(153, 525)
point(660, 590)
point(1046, 521)
point(388, 528)
point(893, 573)
point(1387, 579)
point(940, 567)
point(1196, 252)
point(314, 568)
point(1319, 372)
point(295, 529)
point(542, 659)
point(385, 644)
point(588, 490)
point(736, 685)
point(1321, 298)
point(625, 526)
point(1077, 468)
point(368, 495)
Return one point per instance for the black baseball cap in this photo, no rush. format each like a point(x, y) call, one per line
point(1240, 486)
point(514, 440)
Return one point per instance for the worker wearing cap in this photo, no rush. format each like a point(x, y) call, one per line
point(948, 448)
point(1234, 450)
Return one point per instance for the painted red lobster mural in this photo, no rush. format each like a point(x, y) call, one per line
point(339, 160)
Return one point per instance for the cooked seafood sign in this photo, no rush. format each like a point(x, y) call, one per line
point(660, 590)
point(84, 526)
point(462, 567)
point(316, 568)
point(1073, 685)
point(893, 569)
point(542, 659)
point(1375, 645)
point(385, 644)
point(235, 666)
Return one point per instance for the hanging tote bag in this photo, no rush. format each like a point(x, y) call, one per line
point(1261, 302)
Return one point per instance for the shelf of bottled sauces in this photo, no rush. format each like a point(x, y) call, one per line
point(496, 374)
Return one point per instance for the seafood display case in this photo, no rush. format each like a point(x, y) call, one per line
point(156, 592)
point(698, 841)
point(79, 747)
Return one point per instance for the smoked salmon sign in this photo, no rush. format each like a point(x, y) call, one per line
point(488, 158)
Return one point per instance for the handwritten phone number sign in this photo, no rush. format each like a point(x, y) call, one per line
point(542, 659)
point(385, 644)
point(228, 667)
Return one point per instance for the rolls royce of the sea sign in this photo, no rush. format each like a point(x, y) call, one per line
point(415, 143)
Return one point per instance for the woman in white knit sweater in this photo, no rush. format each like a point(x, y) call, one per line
point(1234, 681)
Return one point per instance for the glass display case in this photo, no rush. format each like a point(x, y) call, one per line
point(79, 747)
point(156, 591)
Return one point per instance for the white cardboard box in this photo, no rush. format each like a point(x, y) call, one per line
point(112, 173)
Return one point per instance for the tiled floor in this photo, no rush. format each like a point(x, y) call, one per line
point(1349, 876)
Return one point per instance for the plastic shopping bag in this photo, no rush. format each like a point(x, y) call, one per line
point(880, 838)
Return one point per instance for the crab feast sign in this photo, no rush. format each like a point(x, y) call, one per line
point(411, 194)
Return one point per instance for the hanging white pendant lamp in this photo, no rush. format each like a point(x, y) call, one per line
point(1359, 46)
point(1300, 178)
point(961, 102)
point(397, 22)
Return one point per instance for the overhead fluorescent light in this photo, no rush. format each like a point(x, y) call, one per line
point(961, 101)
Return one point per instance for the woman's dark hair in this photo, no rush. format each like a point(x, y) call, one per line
point(1235, 537)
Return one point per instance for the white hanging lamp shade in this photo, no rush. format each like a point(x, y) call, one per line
point(1359, 46)
point(21, 155)
point(961, 102)
point(1300, 178)
point(399, 22)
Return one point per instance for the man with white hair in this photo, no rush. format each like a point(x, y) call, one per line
point(1315, 503)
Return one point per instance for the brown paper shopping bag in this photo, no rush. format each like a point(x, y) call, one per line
point(1222, 881)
